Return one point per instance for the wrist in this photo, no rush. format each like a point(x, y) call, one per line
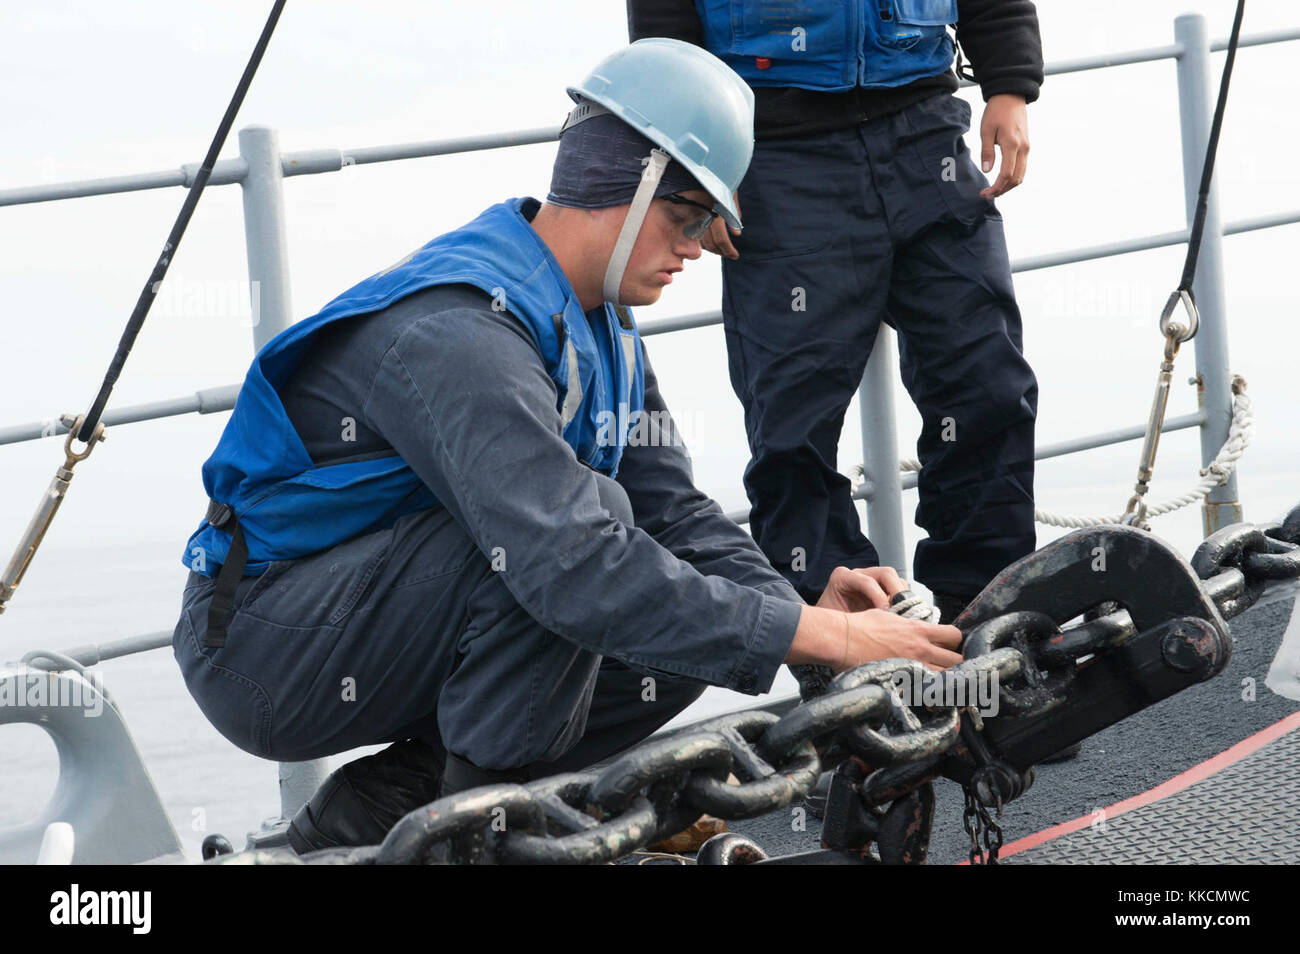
point(820, 639)
point(1022, 92)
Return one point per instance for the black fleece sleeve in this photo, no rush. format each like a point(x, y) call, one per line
point(1001, 39)
point(675, 19)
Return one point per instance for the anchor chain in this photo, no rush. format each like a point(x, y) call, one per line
point(665, 784)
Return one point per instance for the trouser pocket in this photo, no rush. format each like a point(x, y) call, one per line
point(934, 129)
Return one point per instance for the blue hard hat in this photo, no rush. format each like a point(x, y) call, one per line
point(686, 101)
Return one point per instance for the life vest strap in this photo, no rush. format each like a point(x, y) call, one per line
point(222, 516)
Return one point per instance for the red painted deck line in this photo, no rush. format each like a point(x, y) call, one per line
point(1179, 782)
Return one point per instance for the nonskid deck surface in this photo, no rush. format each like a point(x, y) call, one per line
point(1234, 814)
point(1241, 807)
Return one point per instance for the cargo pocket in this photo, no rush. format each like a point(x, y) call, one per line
point(806, 44)
point(936, 129)
point(318, 590)
point(905, 22)
point(274, 570)
point(794, 196)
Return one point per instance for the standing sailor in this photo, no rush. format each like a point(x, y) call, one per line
point(862, 204)
point(450, 512)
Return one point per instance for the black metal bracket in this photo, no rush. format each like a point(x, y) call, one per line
point(901, 832)
point(1182, 638)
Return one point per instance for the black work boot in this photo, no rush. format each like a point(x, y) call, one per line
point(460, 775)
point(359, 802)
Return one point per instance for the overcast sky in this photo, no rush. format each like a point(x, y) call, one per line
point(97, 89)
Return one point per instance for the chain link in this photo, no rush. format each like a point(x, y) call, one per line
point(982, 828)
point(665, 784)
point(992, 833)
point(970, 820)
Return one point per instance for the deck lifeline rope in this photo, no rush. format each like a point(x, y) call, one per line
point(1213, 474)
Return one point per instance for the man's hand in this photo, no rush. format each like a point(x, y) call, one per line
point(717, 241)
point(880, 634)
point(850, 591)
point(1006, 124)
point(829, 637)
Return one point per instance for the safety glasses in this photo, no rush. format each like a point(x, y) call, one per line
point(697, 228)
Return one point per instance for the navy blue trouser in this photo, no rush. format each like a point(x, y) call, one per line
point(882, 221)
point(410, 633)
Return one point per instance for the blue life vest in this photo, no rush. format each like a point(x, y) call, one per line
point(830, 44)
point(288, 507)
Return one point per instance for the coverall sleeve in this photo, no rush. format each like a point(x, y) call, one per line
point(463, 396)
point(656, 473)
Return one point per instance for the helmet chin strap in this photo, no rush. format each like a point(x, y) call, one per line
point(655, 164)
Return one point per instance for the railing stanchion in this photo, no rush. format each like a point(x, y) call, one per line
point(264, 234)
point(298, 783)
point(880, 453)
point(1214, 390)
point(268, 286)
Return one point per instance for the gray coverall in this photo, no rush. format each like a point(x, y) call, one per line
point(516, 624)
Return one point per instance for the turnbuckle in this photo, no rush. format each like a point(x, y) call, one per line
point(47, 508)
point(1135, 512)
